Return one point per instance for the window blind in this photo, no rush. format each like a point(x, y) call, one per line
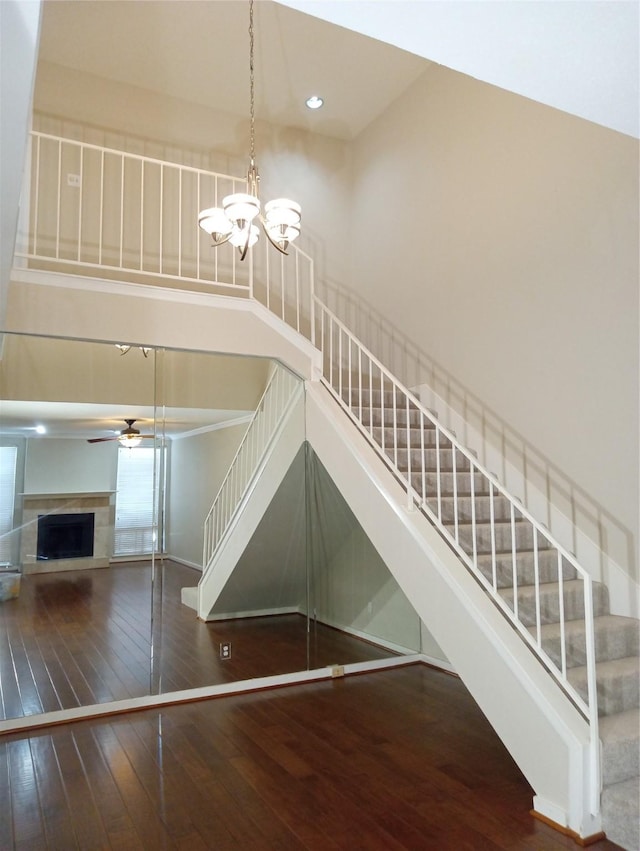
point(135, 531)
point(8, 461)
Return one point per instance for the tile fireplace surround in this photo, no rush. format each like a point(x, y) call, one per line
point(101, 504)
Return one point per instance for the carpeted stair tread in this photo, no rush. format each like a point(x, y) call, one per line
point(429, 459)
point(621, 813)
point(620, 736)
point(504, 532)
point(428, 483)
point(618, 684)
point(481, 505)
point(573, 596)
point(616, 637)
point(415, 436)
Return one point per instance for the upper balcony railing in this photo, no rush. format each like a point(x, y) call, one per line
point(104, 213)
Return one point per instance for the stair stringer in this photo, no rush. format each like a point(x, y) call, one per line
point(523, 703)
point(269, 476)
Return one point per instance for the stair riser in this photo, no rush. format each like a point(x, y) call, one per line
point(373, 398)
point(610, 644)
point(525, 569)
point(615, 693)
point(430, 463)
point(416, 437)
point(550, 604)
point(621, 814)
point(621, 753)
point(504, 535)
point(463, 483)
point(375, 417)
point(501, 508)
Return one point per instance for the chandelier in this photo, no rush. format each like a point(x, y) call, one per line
point(234, 221)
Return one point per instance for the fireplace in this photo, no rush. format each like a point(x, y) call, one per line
point(66, 510)
point(65, 536)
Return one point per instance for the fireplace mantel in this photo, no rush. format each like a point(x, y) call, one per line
point(68, 495)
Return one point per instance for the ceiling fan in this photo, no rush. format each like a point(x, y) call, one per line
point(129, 436)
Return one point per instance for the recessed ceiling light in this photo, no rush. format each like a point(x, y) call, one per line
point(314, 102)
point(40, 429)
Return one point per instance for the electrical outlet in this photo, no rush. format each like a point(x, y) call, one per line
point(337, 671)
point(73, 180)
point(225, 650)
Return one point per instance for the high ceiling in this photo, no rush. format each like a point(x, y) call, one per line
point(199, 51)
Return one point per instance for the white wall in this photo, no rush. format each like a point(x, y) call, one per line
point(198, 465)
point(579, 57)
point(510, 258)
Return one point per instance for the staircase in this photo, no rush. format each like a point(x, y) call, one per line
point(572, 666)
point(518, 563)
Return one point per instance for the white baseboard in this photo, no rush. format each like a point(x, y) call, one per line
point(184, 561)
point(255, 613)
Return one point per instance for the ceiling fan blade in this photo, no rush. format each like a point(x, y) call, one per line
point(100, 439)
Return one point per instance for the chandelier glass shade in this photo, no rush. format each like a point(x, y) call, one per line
point(234, 221)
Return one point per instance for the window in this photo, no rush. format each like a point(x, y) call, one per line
point(8, 460)
point(136, 508)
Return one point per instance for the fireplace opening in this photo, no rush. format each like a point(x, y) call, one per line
point(65, 536)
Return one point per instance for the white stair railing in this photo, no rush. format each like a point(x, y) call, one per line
point(441, 476)
point(280, 394)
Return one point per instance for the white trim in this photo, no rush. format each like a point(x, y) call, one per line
point(370, 638)
point(80, 713)
point(441, 664)
point(246, 418)
point(550, 811)
point(184, 561)
point(255, 613)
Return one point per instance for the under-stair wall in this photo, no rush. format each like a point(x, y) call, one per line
point(245, 521)
point(519, 698)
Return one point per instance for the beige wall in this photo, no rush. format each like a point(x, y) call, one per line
point(313, 169)
point(493, 239)
point(500, 238)
point(198, 465)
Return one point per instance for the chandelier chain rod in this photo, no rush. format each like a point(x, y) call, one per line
point(233, 221)
point(252, 139)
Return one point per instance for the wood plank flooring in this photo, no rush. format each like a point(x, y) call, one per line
point(83, 637)
point(398, 759)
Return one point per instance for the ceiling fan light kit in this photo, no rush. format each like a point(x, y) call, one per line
point(129, 437)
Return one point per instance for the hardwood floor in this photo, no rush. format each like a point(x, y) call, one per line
point(83, 637)
point(399, 759)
